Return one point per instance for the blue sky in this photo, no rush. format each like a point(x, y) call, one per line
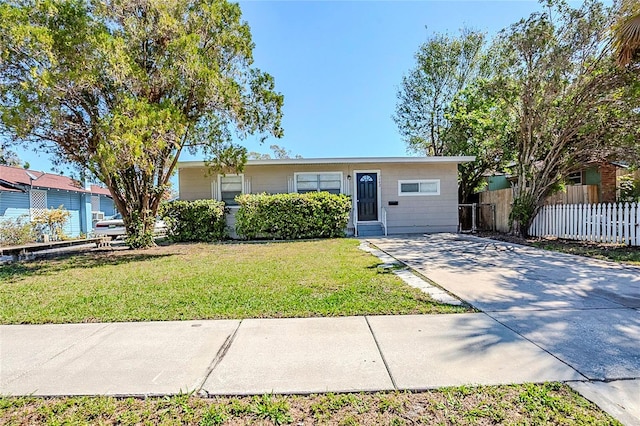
point(339, 64)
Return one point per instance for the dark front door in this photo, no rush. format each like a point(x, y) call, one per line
point(367, 194)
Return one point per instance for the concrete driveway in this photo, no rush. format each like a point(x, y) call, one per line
point(584, 312)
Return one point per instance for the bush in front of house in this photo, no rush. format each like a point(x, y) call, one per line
point(16, 231)
point(292, 216)
point(51, 222)
point(629, 187)
point(200, 220)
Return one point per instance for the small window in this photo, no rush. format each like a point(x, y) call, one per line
point(419, 187)
point(230, 187)
point(314, 182)
point(574, 178)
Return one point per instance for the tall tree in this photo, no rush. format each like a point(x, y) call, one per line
point(8, 158)
point(444, 65)
point(279, 152)
point(572, 105)
point(121, 87)
point(482, 126)
point(445, 107)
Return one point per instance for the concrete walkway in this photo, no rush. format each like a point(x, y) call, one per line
point(548, 317)
point(584, 312)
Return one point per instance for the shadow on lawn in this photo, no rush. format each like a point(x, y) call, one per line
point(15, 271)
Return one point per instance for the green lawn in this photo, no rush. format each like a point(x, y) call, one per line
point(201, 281)
point(550, 403)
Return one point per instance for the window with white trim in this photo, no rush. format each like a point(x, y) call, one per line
point(419, 187)
point(315, 182)
point(230, 187)
point(575, 178)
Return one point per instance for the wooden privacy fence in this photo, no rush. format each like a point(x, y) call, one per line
point(502, 199)
point(608, 223)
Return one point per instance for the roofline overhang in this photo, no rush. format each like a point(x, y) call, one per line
point(17, 186)
point(343, 160)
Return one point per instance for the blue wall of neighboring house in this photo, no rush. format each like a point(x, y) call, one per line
point(70, 201)
point(13, 204)
point(107, 206)
point(16, 204)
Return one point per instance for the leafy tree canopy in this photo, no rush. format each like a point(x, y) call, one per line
point(445, 107)
point(279, 152)
point(120, 88)
point(572, 105)
point(8, 158)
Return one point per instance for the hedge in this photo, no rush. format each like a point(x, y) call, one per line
point(292, 216)
point(200, 220)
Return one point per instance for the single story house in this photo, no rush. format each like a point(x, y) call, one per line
point(24, 192)
point(391, 195)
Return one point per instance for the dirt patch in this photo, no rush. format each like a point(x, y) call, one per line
point(606, 251)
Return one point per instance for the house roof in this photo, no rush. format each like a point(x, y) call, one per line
point(17, 179)
point(343, 160)
point(99, 190)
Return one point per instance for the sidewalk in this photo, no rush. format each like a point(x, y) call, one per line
point(257, 356)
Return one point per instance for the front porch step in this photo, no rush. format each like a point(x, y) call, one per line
point(374, 229)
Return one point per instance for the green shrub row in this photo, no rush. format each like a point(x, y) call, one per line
point(201, 220)
point(292, 216)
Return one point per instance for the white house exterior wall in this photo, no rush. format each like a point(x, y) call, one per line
point(412, 214)
point(421, 213)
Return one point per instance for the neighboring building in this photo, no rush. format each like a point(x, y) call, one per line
point(603, 176)
point(401, 194)
point(24, 192)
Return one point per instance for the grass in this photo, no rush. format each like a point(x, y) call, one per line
point(550, 403)
point(613, 252)
point(207, 281)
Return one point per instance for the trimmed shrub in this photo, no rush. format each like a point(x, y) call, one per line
point(200, 220)
point(292, 216)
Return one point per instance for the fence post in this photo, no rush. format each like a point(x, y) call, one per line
point(581, 215)
point(597, 220)
point(634, 222)
point(474, 206)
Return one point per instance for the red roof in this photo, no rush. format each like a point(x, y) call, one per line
point(16, 179)
point(98, 190)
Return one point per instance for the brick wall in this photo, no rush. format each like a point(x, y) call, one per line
point(607, 183)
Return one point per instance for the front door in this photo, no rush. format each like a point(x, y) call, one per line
point(367, 193)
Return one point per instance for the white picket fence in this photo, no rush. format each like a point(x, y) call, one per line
point(608, 223)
